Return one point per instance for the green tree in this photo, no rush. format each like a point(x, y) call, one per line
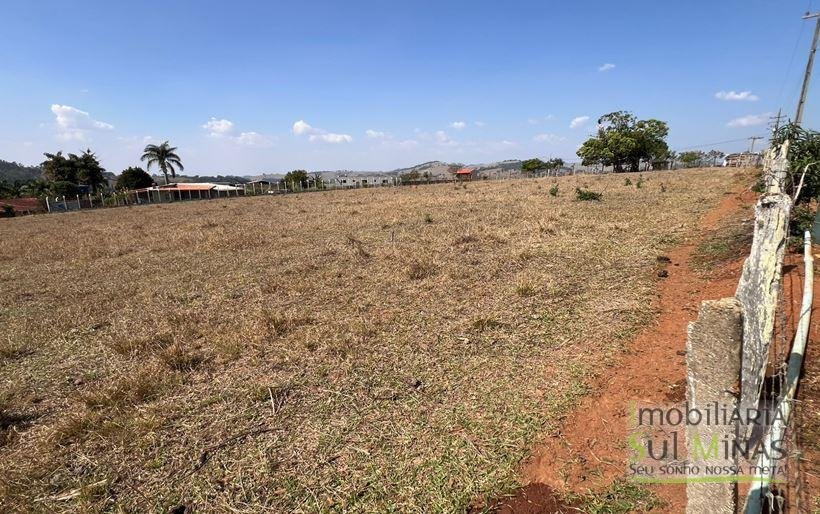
point(37, 188)
point(165, 157)
point(554, 164)
point(624, 141)
point(134, 178)
point(804, 154)
point(533, 166)
point(692, 158)
point(89, 171)
point(297, 177)
point(57, 167)
point(714, 156)
point(75, 169)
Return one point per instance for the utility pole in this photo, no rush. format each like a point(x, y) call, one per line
point(775, 120)
point(807, 77)
point(815, 229)
point(751, 149)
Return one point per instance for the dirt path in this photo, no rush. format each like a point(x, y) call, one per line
point(591, 450)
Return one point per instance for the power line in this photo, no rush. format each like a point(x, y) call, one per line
point(707, 145)
point(774, 121)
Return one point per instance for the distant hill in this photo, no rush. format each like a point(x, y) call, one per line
point(16, 172)
point(442, 169)
point(433, 169)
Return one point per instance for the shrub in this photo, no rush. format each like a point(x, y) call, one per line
point(639, 183)
point(627, 182)
point(428, 218)
point(585, 195)
point(802, 220)
point(554, 190)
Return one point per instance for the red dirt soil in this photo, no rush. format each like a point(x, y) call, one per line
point(589, 453)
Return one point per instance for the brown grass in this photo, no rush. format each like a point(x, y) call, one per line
point(368, 350)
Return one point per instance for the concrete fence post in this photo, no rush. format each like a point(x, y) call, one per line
point(713, 362)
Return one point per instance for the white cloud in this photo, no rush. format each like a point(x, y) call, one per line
point(218, 128)
point(443, 139)
point(479, 124)
point(224, 129)
point(750, 120)
point(331, 138)
point(732, 96)
point(537, 121)
point(548, 138)
point(253, 139)
point(607, 66)
point(579, 121)
point(315, 134)
point(375, 134)
point(458, 125)
point(74, 124)
point(300, 127)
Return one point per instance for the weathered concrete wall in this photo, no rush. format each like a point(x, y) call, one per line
point(713, 350)
point(758, 291)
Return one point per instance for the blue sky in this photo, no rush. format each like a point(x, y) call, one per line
point(260, 86)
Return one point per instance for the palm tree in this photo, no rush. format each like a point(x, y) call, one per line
point(163, 156)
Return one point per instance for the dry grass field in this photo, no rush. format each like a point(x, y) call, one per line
point(370, 350)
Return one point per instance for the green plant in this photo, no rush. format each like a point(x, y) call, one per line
point(802, 220)
point(639, 183)
point(554, 190)
point(627, 182)
point(165, 157)
point(586, 195)
point(428, 218)
point(623, 141)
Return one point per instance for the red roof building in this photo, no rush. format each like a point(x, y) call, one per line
point(464, 173)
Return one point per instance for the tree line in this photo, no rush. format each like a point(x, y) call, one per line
point(72, 174)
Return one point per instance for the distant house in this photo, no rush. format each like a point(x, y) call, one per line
point(184, 191)
point(362, 181)
point(743, 159)
point(464, 173)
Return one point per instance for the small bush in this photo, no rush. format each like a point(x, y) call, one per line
point(586, 195)
point(554, 190)
point(663, 188)
point(627, 182)
point(802, 220)
point(428, 218)
point(639, 183)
